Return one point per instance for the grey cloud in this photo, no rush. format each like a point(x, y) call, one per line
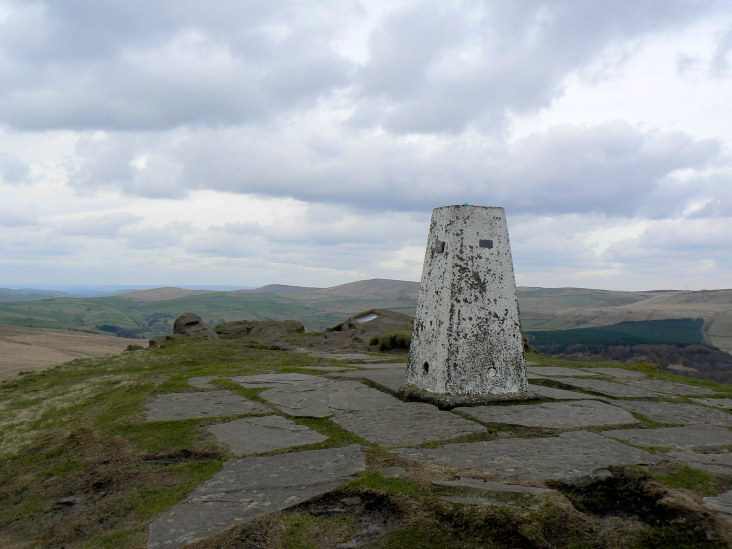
point(107, 225)
point(720, 61)
point(12, 169)
point(135, 65)
point(441, 67)
point(611, 168)
point(17, 216)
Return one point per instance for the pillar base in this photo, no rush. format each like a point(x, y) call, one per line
point(447, 402)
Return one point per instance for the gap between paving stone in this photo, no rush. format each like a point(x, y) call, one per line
point(254, 435)
point(609, 388)
point(613, 372)
point(202, 382)
point(560, 394)
point(556, 371)
point(369, 413)
point(196, 405)
point(676, 412)
point(725, 403)
point(571, 456)
point(714, 464)
point(668, 387)
point(553, 415)
point(674, 437)
point(247, 488)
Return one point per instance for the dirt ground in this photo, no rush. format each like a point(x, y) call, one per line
point(25, 349)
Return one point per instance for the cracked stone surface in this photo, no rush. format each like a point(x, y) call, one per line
point(677, 412)
point(668, 387)
point(559, 394)
point(254, 435)
point(409, 424)
point(555, 415)
point(369, 413)
point(558, 371)
point(721, 504)
point(381, 365)
point(674, 437)
point(327, 398)
point(718, 402)
point(248, 488)
point(391, 378)
point(609, 388)
point(274, 380)
point(715, 464)
point(570, 456)
point(202, 382)
point(613, 372)
point(174, 406)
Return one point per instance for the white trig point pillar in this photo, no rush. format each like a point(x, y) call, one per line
point(466, 343)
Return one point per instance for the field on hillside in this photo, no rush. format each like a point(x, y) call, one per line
point(25, 349)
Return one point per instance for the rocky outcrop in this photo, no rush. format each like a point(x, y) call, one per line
point(191, 325)
point(375, 321)
point(250, 328)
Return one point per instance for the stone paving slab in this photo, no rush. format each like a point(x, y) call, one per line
point(556, 371)
point(721, 504)
point(327, 398)
point(725, 403)
point(380, 365)
point(609, 388)
point(348, 356)
point(500, 490)
point(675, 437)
point(202, 382)
point(175, 406)
point(254, 435)
point(559, 394)
point(554, 415)
point(613, 372)
point(274, 380)
point(570, 456)
point(668, 387)
point(676, 412)
point(409, 424)
point(715, 464)
point(392, 378)
point(326, 368)
point(248, 488)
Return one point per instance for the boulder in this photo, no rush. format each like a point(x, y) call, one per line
point(191, 325)
point(375, 321)
point(266, 328)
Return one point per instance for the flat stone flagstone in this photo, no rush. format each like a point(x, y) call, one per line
point(718, 402)
point(570, 456)
point(721, 504)
point(558, 371)
point(327, 398)
point(559, 394)
point(609, 388)
point(381, 365)
point(175, 406)
point(555, 415)
point(326, 368)
point(348, 356)
point(715, 464)
point(273, 380)
point(248, 488)
point(668, 387)
point(674, 437)
point(391, 378)
point(253, 435)
point(498, 492)
point(202, 382)
point(406, 425)
point(369, 413)
point(613, 372)
point(676, 412)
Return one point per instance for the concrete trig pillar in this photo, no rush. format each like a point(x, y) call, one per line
point(466, 343)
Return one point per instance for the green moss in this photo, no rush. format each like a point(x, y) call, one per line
point(688, 478)
point(423, 535)
point(398, 486)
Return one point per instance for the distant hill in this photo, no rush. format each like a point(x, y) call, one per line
point(147, 312)
point(8, 295)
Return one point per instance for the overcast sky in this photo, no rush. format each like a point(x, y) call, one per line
point(248, 143)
